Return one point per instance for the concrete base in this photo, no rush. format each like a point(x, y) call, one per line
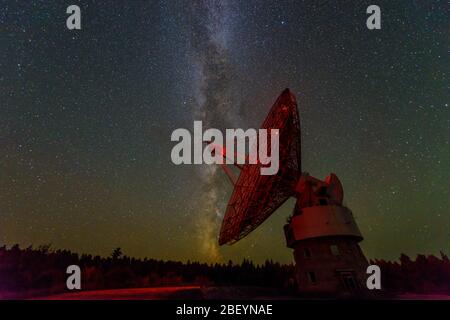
point(329, 261)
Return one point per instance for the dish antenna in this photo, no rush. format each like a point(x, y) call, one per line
point(255, 197)
point(322, 232)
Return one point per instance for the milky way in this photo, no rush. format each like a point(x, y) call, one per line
point(213, 75)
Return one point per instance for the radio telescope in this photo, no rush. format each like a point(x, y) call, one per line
point(322, 232)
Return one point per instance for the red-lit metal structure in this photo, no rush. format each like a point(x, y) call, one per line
point(319, 223)
point(255, 197)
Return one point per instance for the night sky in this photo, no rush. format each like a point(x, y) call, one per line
point(86, 118)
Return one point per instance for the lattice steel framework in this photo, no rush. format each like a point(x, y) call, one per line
point(255, 197)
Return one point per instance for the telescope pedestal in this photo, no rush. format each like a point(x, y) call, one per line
point(329, 261)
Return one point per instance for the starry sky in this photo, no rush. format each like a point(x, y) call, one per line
point(86, 118)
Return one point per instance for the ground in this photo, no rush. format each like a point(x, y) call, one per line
point(195, 292)
point(163, 293)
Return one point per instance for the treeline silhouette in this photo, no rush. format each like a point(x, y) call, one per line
point(42, 271)
point(33, 272)
point(425, 275)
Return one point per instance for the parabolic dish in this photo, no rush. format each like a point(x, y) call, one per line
point(255, 197)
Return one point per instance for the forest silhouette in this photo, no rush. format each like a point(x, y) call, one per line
point(34, 272)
